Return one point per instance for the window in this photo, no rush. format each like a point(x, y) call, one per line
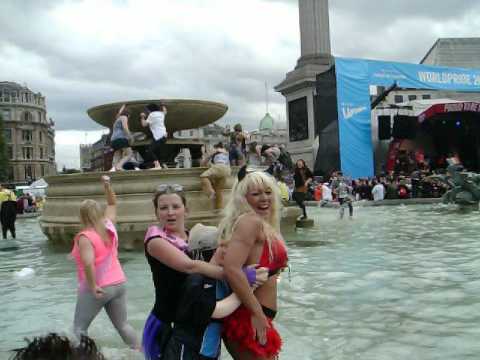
point(40, 137)
point(398, 99)
point(41, 152)
point(10, 152)
point(39, 116)
point(7, 114)
point(426, 96)
point(298, 119)
point(27, 116)
point(8, 135)
point(27, 153)
point(412, 97)
point(27, 135)
point(42, 170)
point(191, 133)
point(10, 173)
point(29, 173)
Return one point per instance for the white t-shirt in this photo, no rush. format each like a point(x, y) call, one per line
point(326, 193)
point(156, 122)
point(378, 192)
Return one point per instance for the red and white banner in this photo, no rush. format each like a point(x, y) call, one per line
point(449, 107)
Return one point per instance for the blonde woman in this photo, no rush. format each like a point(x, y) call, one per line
point(101, 281)
point(250, 230)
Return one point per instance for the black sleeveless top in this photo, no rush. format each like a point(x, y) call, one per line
point(168, 285)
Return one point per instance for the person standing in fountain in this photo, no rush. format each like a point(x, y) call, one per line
point(342, 190)
point(120, 139)
point(8, 211)
point(302, 177)
point(156, 122)
point(166, 247)
point(251, 231)
point(213, 180)
point(101, 281)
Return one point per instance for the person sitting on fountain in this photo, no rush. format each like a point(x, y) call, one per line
point(120, 139)
point(156, 122)
point(213, 180)
point(166, 249)
point(237, 146)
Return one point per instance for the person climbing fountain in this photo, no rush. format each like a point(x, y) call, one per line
point(156, 122)
point(213, 180)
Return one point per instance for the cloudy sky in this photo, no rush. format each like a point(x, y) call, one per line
point(85, 53)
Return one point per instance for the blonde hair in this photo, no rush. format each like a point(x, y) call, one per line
point(238, 205)
point(92, 214)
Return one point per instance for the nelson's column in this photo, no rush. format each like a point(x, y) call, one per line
point(299, 84)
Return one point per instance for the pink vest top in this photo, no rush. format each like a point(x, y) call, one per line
point(108, 270)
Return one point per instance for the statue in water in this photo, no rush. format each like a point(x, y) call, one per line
point(464, 186)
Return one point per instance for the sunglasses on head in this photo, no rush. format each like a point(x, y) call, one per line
point(169, 187)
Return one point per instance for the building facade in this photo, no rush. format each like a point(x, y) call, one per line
point(29, 133)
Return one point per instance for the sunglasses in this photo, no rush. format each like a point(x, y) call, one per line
point(169, 187)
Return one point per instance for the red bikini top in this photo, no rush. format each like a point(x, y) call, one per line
point(279, 259)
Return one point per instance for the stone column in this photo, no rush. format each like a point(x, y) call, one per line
point(315, 58)
point(314, 27)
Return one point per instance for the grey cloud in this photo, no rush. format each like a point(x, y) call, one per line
point(187, 65)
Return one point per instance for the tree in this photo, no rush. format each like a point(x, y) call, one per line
point(3, 154)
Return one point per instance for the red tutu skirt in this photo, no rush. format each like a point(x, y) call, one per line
point(238, 328)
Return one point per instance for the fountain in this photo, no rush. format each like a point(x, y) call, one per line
point(134, 189)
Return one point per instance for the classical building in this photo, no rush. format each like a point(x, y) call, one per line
point(269, 132)
point(101, 154)
point(85, 157)
point(28, 133)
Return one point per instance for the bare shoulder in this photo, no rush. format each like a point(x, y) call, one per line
point(249, 220)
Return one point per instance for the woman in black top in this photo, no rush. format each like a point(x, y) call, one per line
point(302, 177)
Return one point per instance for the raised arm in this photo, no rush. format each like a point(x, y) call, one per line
point(243, 239)
point(172, 257)
point(120, 110)
point(143, 119)
point(111, 210)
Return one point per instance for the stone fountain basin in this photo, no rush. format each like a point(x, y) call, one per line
point(135, 211)
point(181, 114)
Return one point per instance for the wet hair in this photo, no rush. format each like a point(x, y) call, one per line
point(238, 205)
point(153, 107)
point(92, 214)
point(56, 347)
point(167, 191)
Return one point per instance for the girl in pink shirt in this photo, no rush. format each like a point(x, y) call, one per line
point(101, 281)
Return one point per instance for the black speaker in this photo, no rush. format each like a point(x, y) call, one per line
point(384, 128)
point(404, 127)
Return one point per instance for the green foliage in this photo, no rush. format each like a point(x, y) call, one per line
point(3, 154)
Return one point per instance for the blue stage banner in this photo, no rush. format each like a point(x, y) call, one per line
point(354, 77)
